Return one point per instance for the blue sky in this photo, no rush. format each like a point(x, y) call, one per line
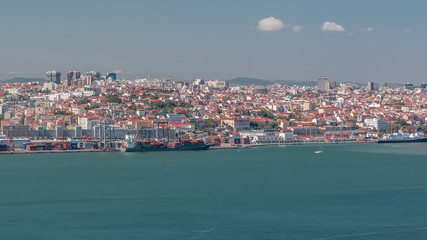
point(380, 41)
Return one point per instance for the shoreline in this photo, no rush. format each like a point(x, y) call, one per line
point(223, 146)
point(20, 151)
point(230, 146)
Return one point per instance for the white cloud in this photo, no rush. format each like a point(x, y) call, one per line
point(351, 34)
point(297, 28)
point(14, 73)
point(368, 29)
point(331, 26)
point(407, 30)
point(270, 24)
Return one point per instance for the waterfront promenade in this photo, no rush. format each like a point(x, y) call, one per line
point(21, 151)
point(222, 146)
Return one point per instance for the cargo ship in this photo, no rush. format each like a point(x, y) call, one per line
point(131, 144)
point(403, 138)
point(4, 147)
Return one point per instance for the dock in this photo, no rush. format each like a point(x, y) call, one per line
point(58, 151)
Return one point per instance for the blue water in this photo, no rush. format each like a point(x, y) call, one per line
point(369, 191)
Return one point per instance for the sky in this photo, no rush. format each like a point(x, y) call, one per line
point(360, 41)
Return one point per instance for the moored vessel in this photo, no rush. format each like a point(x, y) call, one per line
point(403, 138)
point(131, 144)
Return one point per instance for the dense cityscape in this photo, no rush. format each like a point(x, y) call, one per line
point(94, 111)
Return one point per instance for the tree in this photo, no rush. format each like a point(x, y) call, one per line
point(272, 125)
point(133, 107)
point(91, 107)
point(211, 123)
point(46, 91)
point(113, 99)
point(244, 112)
point(61, 112)
point(84, 100)
point(401, 122)
point(265, 113)
point(253, 124)
point(186, 105)
point(197, 126)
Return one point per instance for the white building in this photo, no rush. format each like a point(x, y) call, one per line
point(267, 139)
point(252, 134)
point(324, 84)
point(287, 136)
point(376, 123)
point(237, 123)
point(14, 90)
point(184, 127)
point(87, 123)
point(217, 84)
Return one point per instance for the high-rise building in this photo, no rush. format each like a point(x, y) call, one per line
point(72, 76)
point(54, 76)
point(96, 75)
point(323, 83)
point(423, 85)
point(371, 86)
point(113, 76)
point(409, 86)
point(87, 80)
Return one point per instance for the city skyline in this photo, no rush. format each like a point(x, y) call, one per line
point(362, 41)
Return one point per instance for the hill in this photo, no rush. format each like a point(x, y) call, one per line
point(244, 81)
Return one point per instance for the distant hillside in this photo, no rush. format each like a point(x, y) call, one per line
point(244, 81)
point(297, 83)
point(24, 80)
